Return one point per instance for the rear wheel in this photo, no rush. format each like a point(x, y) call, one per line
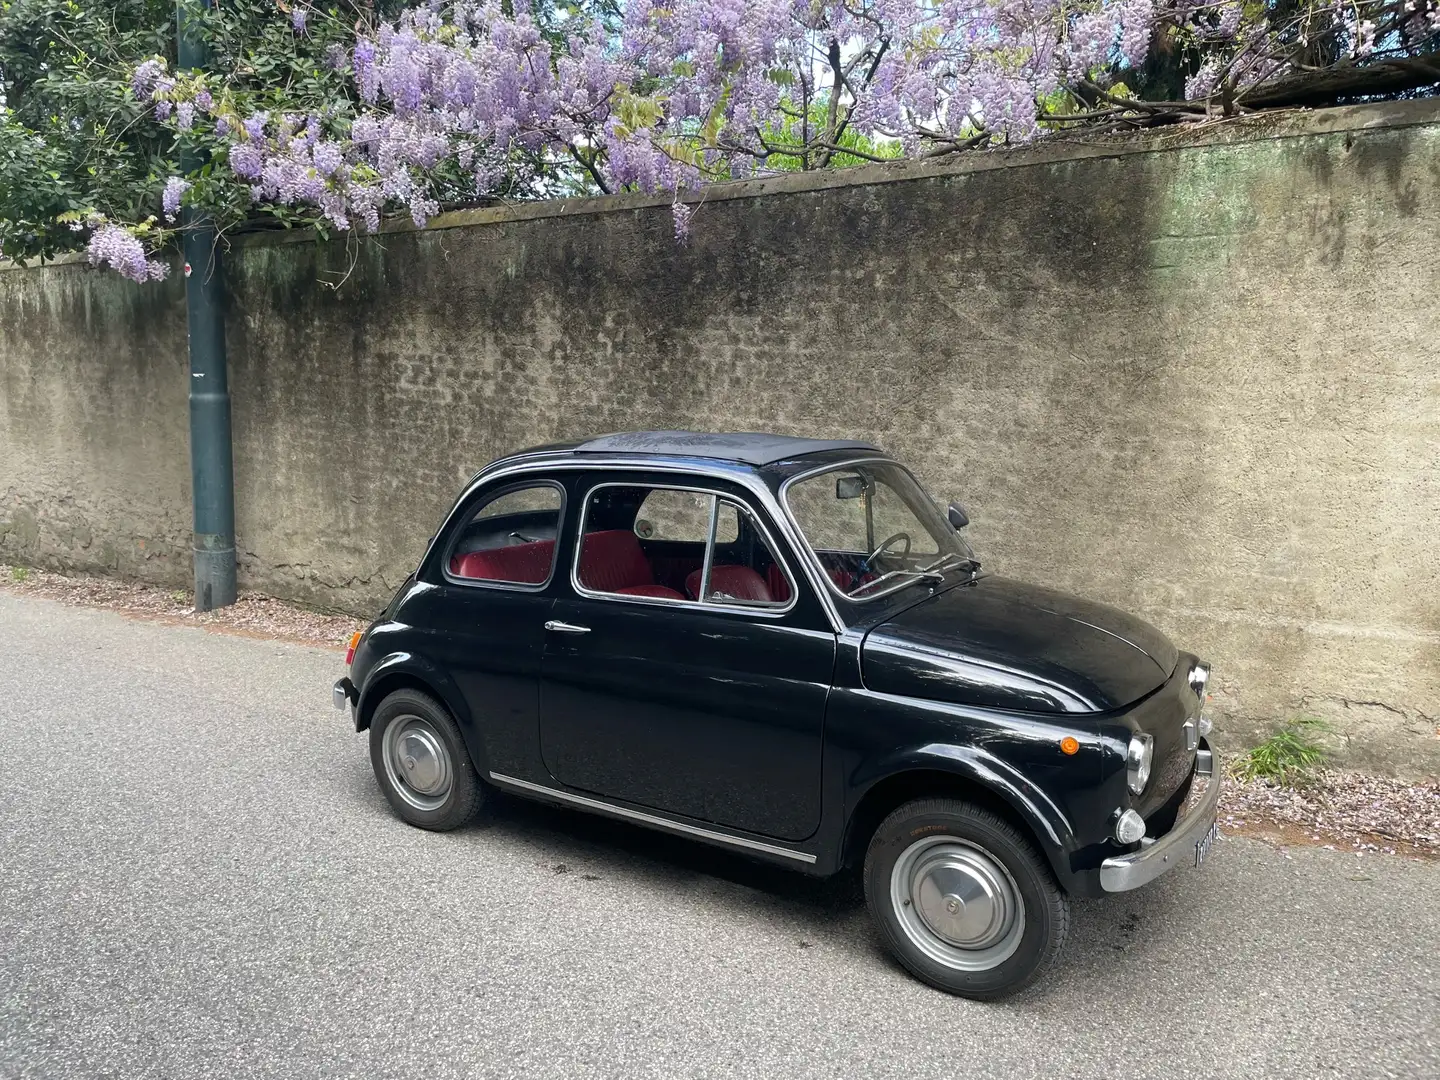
point(963, 900)
point(420, 760)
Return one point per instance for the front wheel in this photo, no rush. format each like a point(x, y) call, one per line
point(963, 900)
point(420, 760)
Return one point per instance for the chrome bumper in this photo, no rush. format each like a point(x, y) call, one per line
point(1175, 848)
point(342, 692)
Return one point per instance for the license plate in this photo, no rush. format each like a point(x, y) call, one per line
point(1203, 845)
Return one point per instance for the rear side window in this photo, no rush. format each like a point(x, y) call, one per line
point(510, 538)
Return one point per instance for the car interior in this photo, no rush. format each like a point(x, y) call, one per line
point(638, 541)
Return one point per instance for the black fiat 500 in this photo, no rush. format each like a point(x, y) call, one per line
point(783, 646)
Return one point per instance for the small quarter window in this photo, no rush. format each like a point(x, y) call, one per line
point(743, 571)
point(510, 539)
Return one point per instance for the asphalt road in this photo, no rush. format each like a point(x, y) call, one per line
point(199, 878)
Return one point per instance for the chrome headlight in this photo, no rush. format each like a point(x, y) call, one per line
point(1200, 679)
point(1137, 762)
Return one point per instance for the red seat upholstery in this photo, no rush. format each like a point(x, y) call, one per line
point(651, 590)
point(738, 581)
point(779, 585)
point(611, 561)
point(524, 564)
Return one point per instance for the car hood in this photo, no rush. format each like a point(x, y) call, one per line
point(1000, 643)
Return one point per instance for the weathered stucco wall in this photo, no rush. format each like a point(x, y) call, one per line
point(1198, 381)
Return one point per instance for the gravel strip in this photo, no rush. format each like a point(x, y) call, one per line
point(1340, 810)
point(1343, 811)
point(252, 614)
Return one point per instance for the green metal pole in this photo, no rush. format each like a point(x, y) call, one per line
point(212, 468)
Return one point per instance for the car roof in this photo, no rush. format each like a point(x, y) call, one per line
point(747, 447)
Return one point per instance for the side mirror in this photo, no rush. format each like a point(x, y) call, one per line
point(849, 487)
point(958, 518)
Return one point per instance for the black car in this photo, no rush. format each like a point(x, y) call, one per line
point(782, 646)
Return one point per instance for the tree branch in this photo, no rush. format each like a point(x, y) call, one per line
point(1323, 87)
point(1140, 106)
point(832, 117)
point(590, 167)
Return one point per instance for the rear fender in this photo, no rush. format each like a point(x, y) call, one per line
point(399, 669)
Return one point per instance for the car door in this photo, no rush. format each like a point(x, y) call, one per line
point(703, 703)
point(489, 616)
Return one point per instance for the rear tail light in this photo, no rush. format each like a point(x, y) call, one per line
point(350, 652)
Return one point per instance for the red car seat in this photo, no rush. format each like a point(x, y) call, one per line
point(738, 581)
point(524, 564)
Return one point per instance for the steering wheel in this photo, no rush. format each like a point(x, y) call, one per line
point(864, 566)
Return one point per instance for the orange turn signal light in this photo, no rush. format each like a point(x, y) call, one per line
point(354, 640)
point(1069, 745)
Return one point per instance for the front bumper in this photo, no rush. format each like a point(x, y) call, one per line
point(1177, 847)
point(343, 693)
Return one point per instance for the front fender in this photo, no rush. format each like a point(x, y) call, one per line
point(401, 668)
point(977, 766)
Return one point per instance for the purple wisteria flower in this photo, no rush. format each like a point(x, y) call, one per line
point(246, 161)
point(683, 213)
point(1201, 85)
point(112, 246)
point(145, 76)
point(683, 92)
point(1137, 26)
point(175, 188)
point(364, 61)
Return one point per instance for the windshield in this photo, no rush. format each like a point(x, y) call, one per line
point(873, 529)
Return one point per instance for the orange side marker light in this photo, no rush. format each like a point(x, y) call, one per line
point(354, 640)
point(1069, 745)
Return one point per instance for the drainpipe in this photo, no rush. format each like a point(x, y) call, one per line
point(211, 465)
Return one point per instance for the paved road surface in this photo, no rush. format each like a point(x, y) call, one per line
point(199, 878)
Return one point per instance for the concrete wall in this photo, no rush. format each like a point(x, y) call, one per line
point(1197, 380)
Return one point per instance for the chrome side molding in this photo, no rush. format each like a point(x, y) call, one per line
point(625, 813)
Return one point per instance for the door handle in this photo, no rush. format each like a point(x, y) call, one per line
point(566, 628)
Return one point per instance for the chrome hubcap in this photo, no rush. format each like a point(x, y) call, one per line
point(417, 762)
point(957, 903)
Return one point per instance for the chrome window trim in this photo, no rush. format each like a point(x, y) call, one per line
point(774, 611)
point(512, 586)
point(625, 812)
point(808, 552)
point(744, 476)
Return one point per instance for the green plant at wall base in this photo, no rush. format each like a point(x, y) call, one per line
point(19, 573)
point(1292, 756)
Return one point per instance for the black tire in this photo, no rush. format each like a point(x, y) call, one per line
point(419, 721)
point(936, 833)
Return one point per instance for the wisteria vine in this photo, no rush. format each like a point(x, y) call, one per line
point(685, 92)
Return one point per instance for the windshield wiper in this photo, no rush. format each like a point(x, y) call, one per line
point(933, 572)
point(939, 566)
